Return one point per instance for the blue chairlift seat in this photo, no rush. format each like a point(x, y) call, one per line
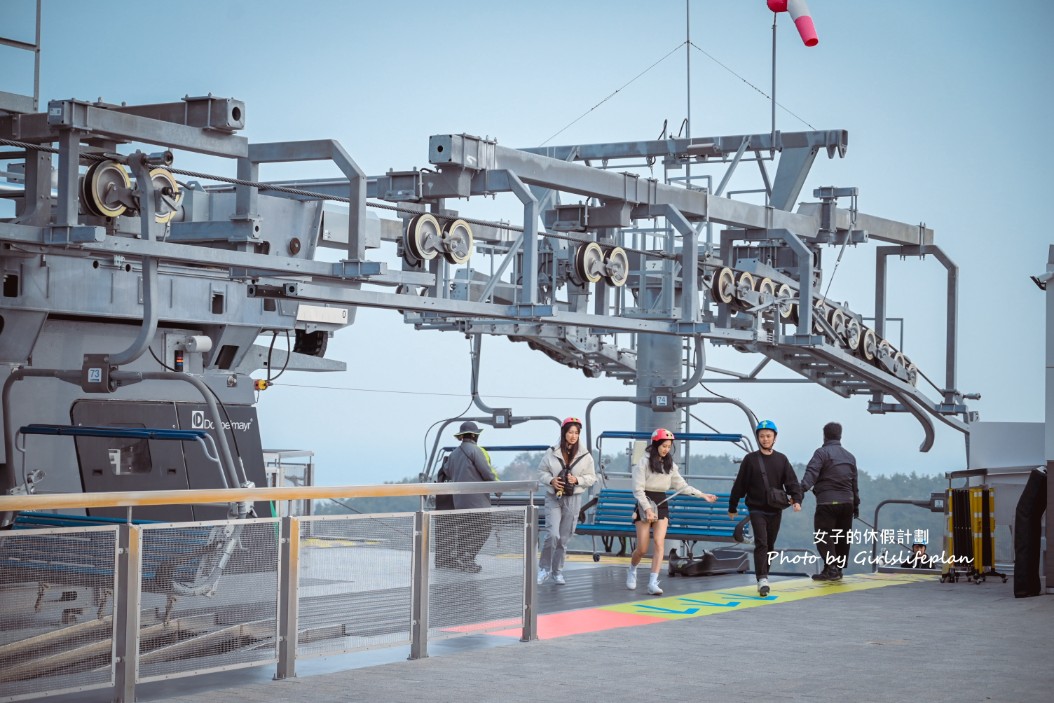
point(692, 519)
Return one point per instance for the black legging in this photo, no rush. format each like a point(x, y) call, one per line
point(766, 526)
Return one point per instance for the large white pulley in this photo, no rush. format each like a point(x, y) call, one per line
point(744, 285)
point(883, 351)
point(868, 348)
point(104, 189)
point(820, 310)
point(900, 363)
point(912, 371)
point(616, 266)
point(167, 195)
point(766, 290)
point(854, 332)
point(457, 241)
point(788, 311)
point(837, 320)
point(424, 237)
point(589, 262)
point(723, 287)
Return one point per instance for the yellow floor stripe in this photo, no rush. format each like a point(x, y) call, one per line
point(694, 605)
point(604, 559)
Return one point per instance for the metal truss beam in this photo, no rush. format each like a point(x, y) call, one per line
point(700, 148)
point(557, 174)
point(94, 121)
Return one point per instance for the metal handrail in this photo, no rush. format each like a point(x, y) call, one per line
point(54, 501)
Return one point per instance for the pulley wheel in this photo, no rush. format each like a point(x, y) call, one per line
point(868, 344)
point(457, 242)
point(820, 310)
point(912, 371)
point(165, 184)
point(744, 283)
point(616, 266)
point(786, 308)
point(589, 262)
point(900, 362)
point(854, 332)
point(837, 320)
point(766, 291)
point(102, 184)
point(423, 237)
point(884, 350)
point(723, 288)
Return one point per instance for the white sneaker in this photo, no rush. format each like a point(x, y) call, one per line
point(653, 585)
point(543, 576)
point(558, 578)
point(631, 578)
point(763, 587)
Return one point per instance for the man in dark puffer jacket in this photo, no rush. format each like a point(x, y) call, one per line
point(831, 476)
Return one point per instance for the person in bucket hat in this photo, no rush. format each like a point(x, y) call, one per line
point(468, 463)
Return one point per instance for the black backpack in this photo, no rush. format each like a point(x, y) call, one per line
point(444, 502)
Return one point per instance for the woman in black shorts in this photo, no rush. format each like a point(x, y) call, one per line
point(653, 476)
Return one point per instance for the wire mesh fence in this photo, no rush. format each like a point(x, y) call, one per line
point(80, 611)
point(354, 588)
point(57, 620)
point(477, 584)
point(209, 597)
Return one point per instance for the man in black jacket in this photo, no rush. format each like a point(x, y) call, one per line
point(750, 482)
point(831, 476)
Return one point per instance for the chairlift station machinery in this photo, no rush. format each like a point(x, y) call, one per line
point(134, 296)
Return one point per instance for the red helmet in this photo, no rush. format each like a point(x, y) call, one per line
point(661, 435)
point(571, 421)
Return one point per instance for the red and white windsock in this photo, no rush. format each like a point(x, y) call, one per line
point(799, 12)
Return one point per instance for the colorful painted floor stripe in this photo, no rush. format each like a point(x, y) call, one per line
point(695, 605)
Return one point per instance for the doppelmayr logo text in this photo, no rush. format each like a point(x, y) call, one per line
point(198, 421)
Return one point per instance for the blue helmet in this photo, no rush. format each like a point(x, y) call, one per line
point(766, 425)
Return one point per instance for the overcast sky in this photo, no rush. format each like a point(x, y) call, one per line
point(942, 101)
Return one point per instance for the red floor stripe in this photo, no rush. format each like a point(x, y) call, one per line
point(577, 622)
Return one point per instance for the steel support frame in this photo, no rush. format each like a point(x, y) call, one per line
point(104, 122)
point(529, 269)
point(949, 392)
point(473, 166)
point(557, 174)
point(316, 150)
point(693, 204)
point(689, 261)
point(700, 148)
point(805, 257)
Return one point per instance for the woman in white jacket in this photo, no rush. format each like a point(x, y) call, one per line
point(653, 476)
point(566, 472)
